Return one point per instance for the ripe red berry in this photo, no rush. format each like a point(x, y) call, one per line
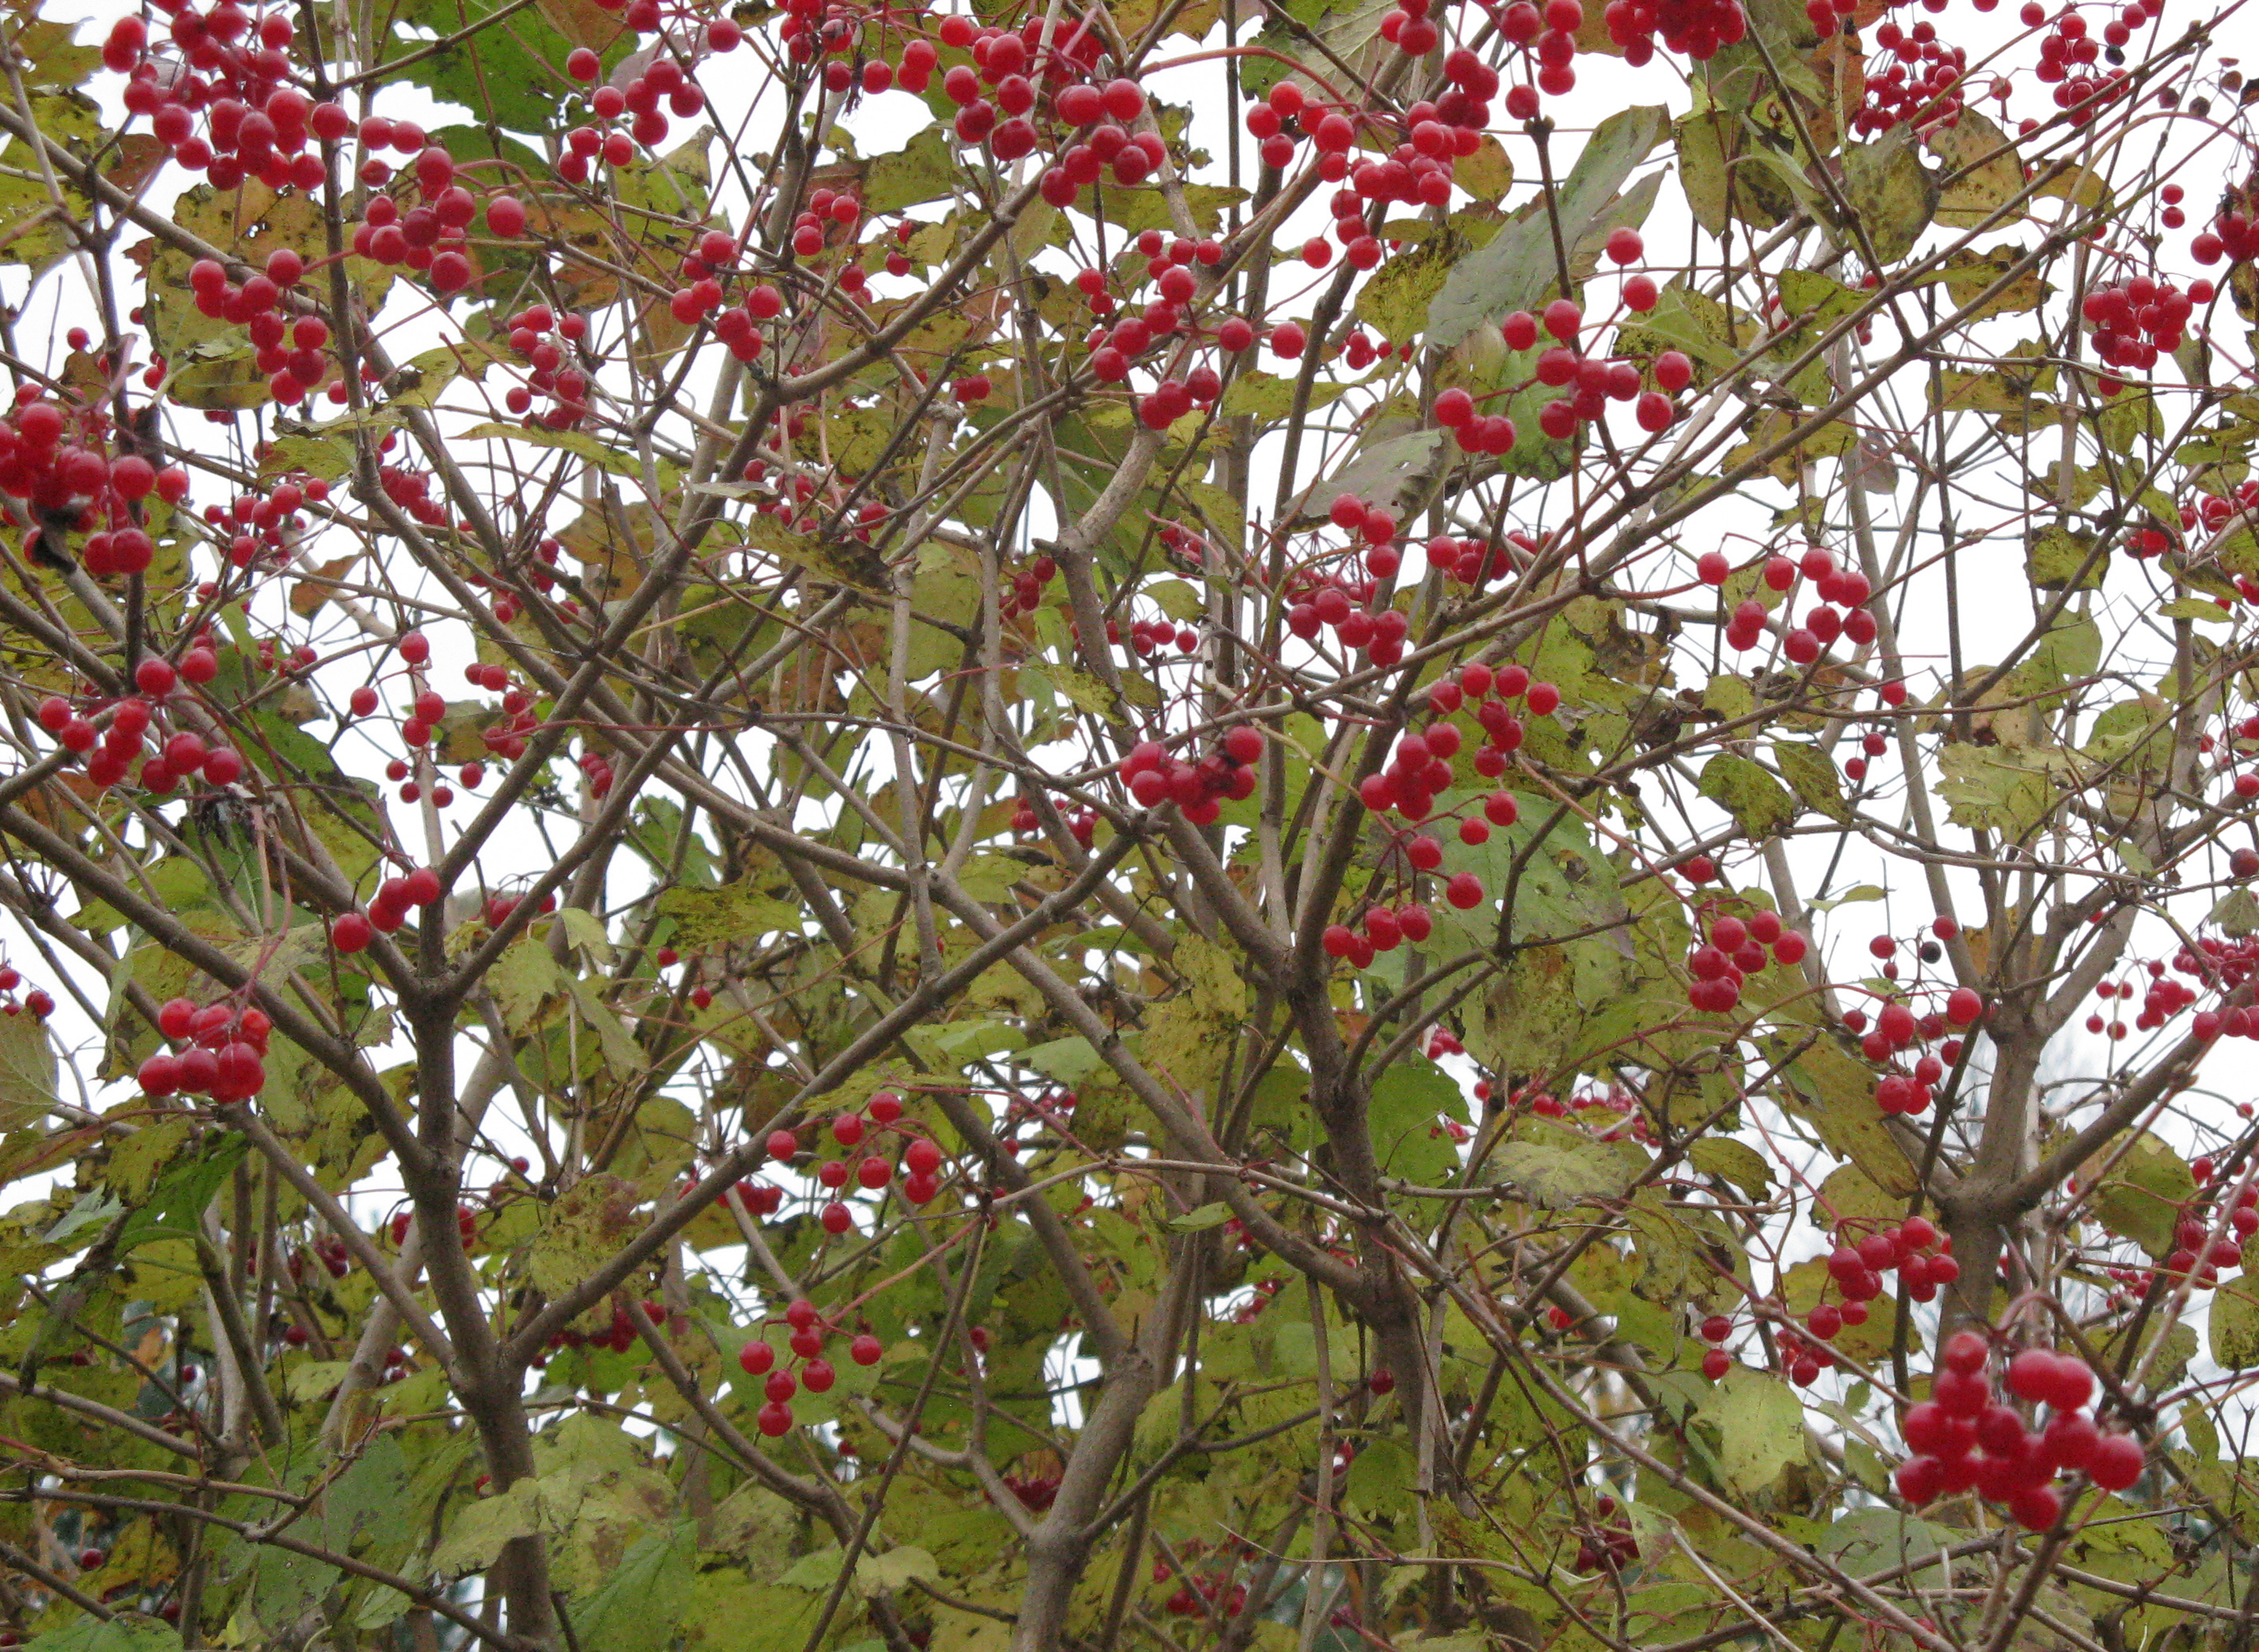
point(2116, 1462)
point(1965, 1352)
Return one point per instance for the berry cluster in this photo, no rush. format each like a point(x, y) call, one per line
point(226, 1053)
point(2162, 999)
point(434, 234)
point(388, 910)
point(1735, 950)
point(1423, 764)
point(921, 1160)
point(1966, 1439)
point(1024, 594)
point(110, 750)
point(2196, 1252)
point(261, 529)
point(291, 352)
point(2137, 320)
point(1154, 777)
point(54, 459)
point(808, 1336)
point(546, 341)
point(1385, 929)
point(663, 79)
point(1610, 1546)
point(1841, 612)
point(1912, 1249)
point(1083, 822)
point(1333, 604)
point(39, 1000)
point(1920, 82)
point(1697, 28)
point(255, 123)
point(2068, 51)
point(2233, 236)
point(1202, 1592)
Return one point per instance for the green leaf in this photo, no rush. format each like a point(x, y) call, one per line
point(1815, 300)
point(127, 1632)
point(1812, 772)
point(1518, 265)
point(1995, 787)
point(579, 1231)
point(1990, 174)
point(135, 1160)
point(1395, 302)
point(1759, 1423)
point(1748, 792)
point(1380, 1479)
point(920, 171)
point(513, 73)
point(1867, 1541)
point(2055, 556)
point(2141, 1198)
point(1214, 1214)
point(1892, 193)
point(641, 1604)
point(1393, 474)
point(1737, 1163)
point(2235, 1323)
point(27, 1071)
point(723, 915)
point(175, 1206)
point(1558, 1167)
point(896, 1569)
point(1834, 1095)
point(1409, 1101)
point(482, 1526)
point(597, 453)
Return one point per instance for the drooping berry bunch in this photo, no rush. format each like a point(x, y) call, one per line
point(1023, 593)
point(2135, 321)
point(1202, 1591)
point(111, 749)
point(1841, 612)
point(255, 122)
point(2198, 1254)
point(225, 1053)
point(59, 461)
point(1736, 949)
point(921, 1166)
point(2233, 236)
point(2069, 50)
point(1337, 603)
point(1920, 82)
point(1082, 824)
point(2162, 999)
point(808, 1335)
point(387, 909)
point(433, 234)
point(546, 341)
point(1155, 777)
point(39, 1000)
point(1610, 1545)
point(1697, 28)
point(1912, 1249)
point(1966, 1438)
